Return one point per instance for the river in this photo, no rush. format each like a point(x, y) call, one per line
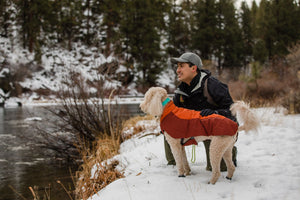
point(24, 164)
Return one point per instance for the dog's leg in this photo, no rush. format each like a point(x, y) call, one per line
point(218, 146)
point(177, 151)
point(228, 160)
point(187, 169)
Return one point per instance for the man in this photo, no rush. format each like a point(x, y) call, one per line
point(201, 92)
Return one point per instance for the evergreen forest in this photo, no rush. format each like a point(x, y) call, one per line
point(144, 34)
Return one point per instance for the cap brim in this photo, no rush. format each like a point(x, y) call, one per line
point(177, 60)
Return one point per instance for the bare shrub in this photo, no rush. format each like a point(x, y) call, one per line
point(292, 99)
point(274, 84)
point(238, 89)
point(270, 89)
point(87, 130)
point(80, 120)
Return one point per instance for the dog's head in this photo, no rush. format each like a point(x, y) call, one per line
point(152, 103)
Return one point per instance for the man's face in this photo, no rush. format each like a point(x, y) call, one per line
point(185, 73)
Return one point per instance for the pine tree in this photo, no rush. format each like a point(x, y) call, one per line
point(111, 23)
point(177, 31)
point(206, 28)
point(4, 18)
point(266, 26)
point(260, 51)
point(32, 18)
point(254, 11)
point(87, 22)
point(189, 21)
point(247, 33)
point(286, 26)
point(71, 21)
point(228, 43)
point(140, 26)
point(68, 22)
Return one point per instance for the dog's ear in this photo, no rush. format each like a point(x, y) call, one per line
point(144, 105)
point(152, 103)
point(155, 106)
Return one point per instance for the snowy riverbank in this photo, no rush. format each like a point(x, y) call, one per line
point(268, 166)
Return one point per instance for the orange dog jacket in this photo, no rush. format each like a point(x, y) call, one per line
point(184, 123)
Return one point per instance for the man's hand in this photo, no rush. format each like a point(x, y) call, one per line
point(206, 112)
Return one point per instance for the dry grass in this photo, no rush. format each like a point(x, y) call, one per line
point(105, 172)
point(130, 127)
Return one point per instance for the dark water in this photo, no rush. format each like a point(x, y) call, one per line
point(24, 164)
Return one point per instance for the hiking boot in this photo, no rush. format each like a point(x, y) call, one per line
point(171, 163)
point(208, 168)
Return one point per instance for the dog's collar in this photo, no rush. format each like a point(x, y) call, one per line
point(165, 102)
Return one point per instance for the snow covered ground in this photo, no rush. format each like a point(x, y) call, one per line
point(268, 166)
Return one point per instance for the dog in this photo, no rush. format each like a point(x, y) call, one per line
point(220, 130)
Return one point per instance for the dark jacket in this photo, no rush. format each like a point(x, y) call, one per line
point(192, 97)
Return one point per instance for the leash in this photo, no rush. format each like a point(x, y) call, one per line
point(193, 159)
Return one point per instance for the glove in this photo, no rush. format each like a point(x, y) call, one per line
point(206, 112)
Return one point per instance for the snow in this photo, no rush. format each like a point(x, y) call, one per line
point(167, 79)
point(4, 71)
point(56, 70)
point(238, 3)
point(33, 119)
point(268, 166)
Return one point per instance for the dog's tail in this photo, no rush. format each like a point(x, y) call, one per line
point(246, 117)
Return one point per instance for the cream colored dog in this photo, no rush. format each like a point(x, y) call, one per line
point(221, 146)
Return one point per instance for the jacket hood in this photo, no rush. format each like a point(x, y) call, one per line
point(196, 83)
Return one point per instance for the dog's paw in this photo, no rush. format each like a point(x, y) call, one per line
point(228, 178)
point(181, 176)
point(211, 182)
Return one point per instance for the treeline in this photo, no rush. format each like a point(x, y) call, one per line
point(144, 33)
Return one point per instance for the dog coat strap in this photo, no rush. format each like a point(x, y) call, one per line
point(190, 141)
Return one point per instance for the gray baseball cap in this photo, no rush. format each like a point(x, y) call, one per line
point(188, 58)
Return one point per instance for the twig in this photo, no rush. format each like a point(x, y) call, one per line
point(46, 192)
point(156, 134)
point(13, 189)
point(33, 194)
point(109, 116)
point(73, 179)
point(58, 181)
